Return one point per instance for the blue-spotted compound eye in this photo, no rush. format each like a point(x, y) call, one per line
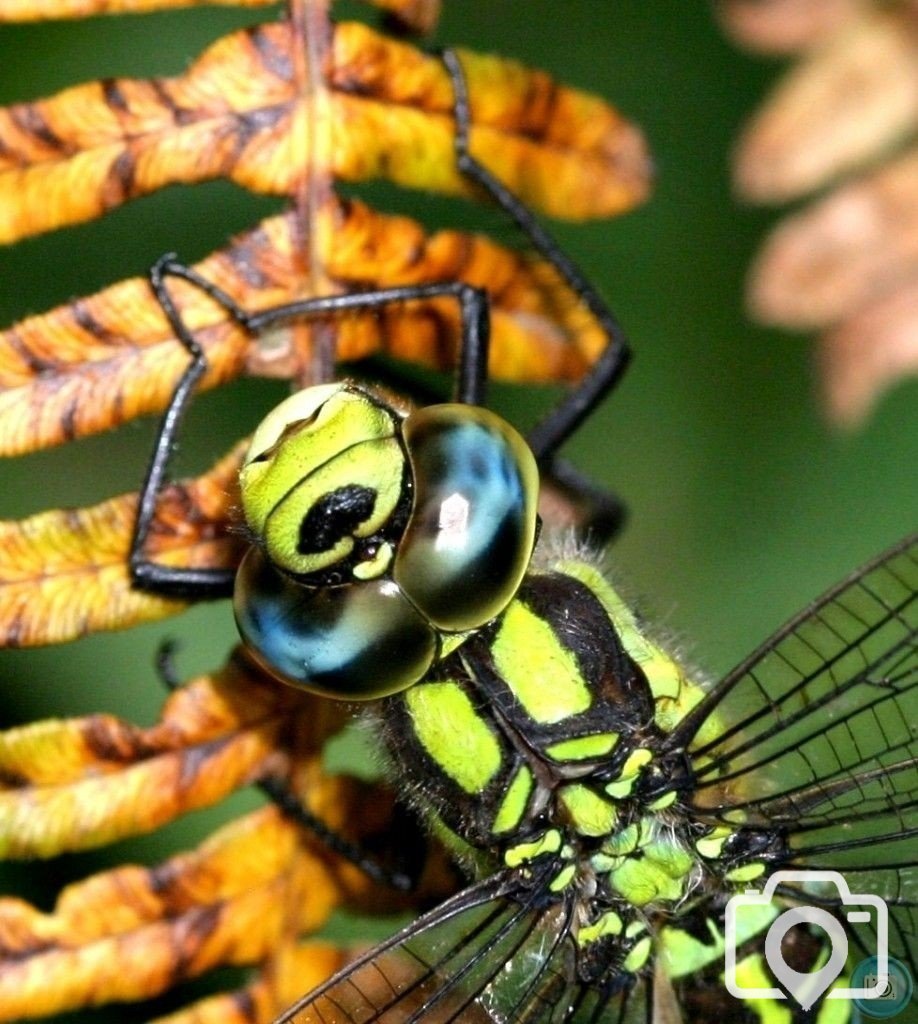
point(382, 540)
point(353, 642)
point(473, 519)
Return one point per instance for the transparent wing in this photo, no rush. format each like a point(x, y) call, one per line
point(493, 953)
point(814, 738)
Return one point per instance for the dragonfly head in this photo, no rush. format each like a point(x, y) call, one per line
point(382, 536)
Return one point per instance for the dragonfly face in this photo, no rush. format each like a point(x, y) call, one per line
point(614, 806)
point(383, 536)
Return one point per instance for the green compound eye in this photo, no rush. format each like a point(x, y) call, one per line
point(378, 536)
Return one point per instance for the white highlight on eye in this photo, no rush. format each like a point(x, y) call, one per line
point(453, 523)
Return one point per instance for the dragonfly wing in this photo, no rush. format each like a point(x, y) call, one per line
point(494, 952)
point(813, 738)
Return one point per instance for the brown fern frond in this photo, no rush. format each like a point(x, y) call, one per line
point(101, 361)
point(239, 113)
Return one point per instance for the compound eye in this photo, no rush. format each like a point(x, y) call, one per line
point(356, 642)
point(473, 522)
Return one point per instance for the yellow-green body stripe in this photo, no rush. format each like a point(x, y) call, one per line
point(454, 734)
point(513, 806)
point(591, 814)
point(526, 652)
point(750, 974)
point(622, 786)
point(609, 923)
point(745, 873)
point(583, 748)
point(522, 853)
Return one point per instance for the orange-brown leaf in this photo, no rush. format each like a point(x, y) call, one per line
point(79, 783)
point(134, 932)
point(101, 361)
point(238, 112)
point(64, 573)
point(246, 896)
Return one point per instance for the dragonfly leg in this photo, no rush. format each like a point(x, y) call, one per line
point(474, 308)
point(279, 792)
point(215, 583)
point(547, 437)
point(147, 575)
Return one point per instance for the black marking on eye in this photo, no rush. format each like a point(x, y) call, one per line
point(333, 516)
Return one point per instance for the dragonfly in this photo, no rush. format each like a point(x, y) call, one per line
point(268, 578)
point(611, 808)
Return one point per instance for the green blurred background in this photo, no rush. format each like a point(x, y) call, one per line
point(744, 505)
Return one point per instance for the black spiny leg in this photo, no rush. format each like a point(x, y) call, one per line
point(474, 309)
point(279, 792)
point(173, 581)
point(549, 435)
point(206, 584)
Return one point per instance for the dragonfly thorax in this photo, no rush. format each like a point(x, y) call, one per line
point(541, 716)
point(540, 745)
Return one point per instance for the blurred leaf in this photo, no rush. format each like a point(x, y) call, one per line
point(847, 264)
point(824, 264)
point(783, 26)
point(869, 352)
point(840, 106)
